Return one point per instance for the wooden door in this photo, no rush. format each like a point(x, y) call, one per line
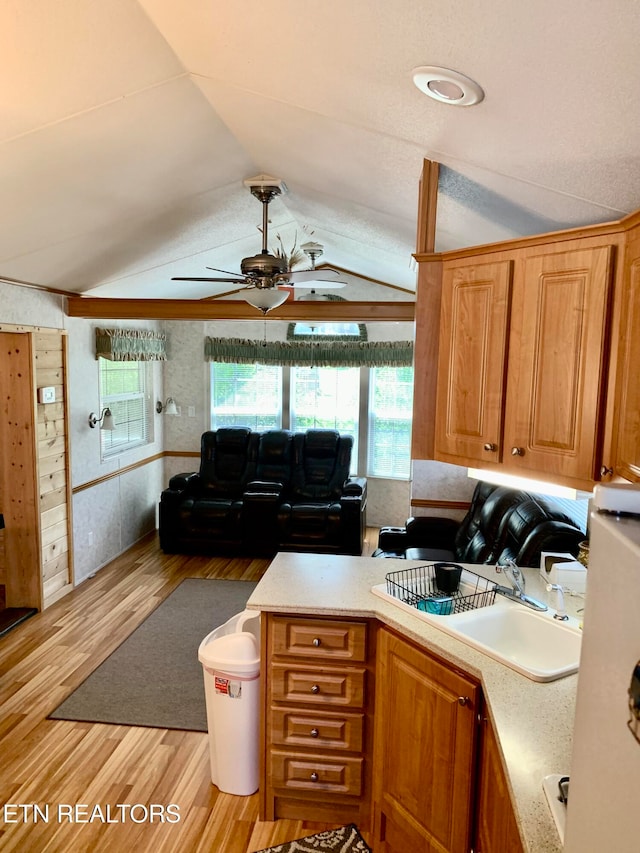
point(424, 756)
point(18, 472)
point(472, 362)
point(553, 416)
point(496, 826)
point(627, 398)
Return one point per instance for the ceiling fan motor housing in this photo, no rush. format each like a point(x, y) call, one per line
point(263, 266)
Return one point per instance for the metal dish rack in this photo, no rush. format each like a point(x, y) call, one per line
point(416, 585)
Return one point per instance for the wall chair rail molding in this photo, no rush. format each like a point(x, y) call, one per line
point(131, 345)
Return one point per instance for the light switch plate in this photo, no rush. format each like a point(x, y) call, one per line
point(47, 395)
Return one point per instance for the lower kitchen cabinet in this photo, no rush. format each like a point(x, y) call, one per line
point(425, 751)
point(318, 688)
point(496, 827)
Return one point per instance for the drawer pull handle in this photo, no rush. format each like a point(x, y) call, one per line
point(491, 447)
point(314, 776)
point(517, 451)
point(315, 733)
point(464, 700)
point(605, 471)
point(317, 641)
point(315, 688)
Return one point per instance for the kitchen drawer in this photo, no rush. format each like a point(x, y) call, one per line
point(317, 685)
point(320, 639)
point(317, 729)
point(316, 773)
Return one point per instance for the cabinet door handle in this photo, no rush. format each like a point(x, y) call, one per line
point(315, 733)
point(604, 471)
point(491, 447)
point(314, 776)
point(316, 641)
point(315, 688)
point(517, 451)
point(464, 700)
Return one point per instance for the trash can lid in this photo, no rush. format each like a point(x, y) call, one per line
point(235, 653)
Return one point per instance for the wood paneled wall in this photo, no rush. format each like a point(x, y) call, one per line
point(37, 566)
point(50, 350)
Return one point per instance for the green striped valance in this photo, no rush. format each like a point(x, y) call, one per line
point(131, 345)
point(318, 354)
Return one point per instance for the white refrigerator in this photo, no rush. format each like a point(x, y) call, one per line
point(603, 812)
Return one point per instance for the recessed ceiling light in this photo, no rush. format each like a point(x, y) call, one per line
point(447, 86)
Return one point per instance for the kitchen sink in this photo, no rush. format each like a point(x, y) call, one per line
point(534, 644)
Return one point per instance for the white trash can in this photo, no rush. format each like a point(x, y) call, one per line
point(230, 658)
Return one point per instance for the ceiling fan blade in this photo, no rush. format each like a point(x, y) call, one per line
point(226, 272)
point(228, 280)
point(320, 284)
point(313, 275)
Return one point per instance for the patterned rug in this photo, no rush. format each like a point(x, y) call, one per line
point(347, 839)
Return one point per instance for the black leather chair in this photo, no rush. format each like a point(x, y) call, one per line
point(320, 510)
point(200, 507)
point(501, 523)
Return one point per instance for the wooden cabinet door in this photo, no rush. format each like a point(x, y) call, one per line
point(627, 399)
point(556, 362)
point(472, 361)
point(496, 827)
point(424, 761)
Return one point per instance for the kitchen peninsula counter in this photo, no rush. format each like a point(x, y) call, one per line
point(533, 721)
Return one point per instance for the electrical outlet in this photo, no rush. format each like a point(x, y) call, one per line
point(191, 411)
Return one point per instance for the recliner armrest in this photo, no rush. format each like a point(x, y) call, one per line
point(264, 487)
point(429, 531)
point(189, 480)
point(355, 486)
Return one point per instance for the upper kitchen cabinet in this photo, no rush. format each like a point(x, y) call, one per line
point(556, 362)
point(474, 328)
point(523, 356)
point(624, 460)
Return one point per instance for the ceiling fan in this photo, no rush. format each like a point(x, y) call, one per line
point(262, 275)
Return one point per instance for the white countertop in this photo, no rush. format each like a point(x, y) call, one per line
point(533, 721)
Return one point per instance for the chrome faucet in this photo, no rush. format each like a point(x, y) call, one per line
point(516, 593)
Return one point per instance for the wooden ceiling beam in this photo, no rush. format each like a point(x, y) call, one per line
point(195, 309)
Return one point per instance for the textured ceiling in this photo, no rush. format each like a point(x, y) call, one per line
point(127, 129)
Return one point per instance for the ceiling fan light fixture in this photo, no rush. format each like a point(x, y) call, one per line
point(266, 298)
point(447, 86)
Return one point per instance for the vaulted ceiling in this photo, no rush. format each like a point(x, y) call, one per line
point(127, 129)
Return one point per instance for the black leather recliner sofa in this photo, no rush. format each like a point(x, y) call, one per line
point(501, 524)
point(261, 492)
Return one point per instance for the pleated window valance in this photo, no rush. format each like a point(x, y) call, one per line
point(318, 354)
point(131, 345)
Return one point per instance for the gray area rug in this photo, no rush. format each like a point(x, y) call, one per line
point(154, 678)
point(346, 839)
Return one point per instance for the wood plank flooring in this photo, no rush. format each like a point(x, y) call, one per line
point(58, 778)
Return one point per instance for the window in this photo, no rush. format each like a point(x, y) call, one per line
point(390, 412)
point(326, 398)
point(123, 389)
point(300, 398)
point(246, 395)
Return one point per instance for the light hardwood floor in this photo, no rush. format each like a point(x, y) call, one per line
point(59, 765)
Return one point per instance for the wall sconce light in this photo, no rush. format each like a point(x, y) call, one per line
point(105, 420)
point(169, 407)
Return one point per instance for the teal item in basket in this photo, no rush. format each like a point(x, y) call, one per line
point(440, 606)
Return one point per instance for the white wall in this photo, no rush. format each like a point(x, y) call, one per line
point(439, 481)
point(110, 516)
